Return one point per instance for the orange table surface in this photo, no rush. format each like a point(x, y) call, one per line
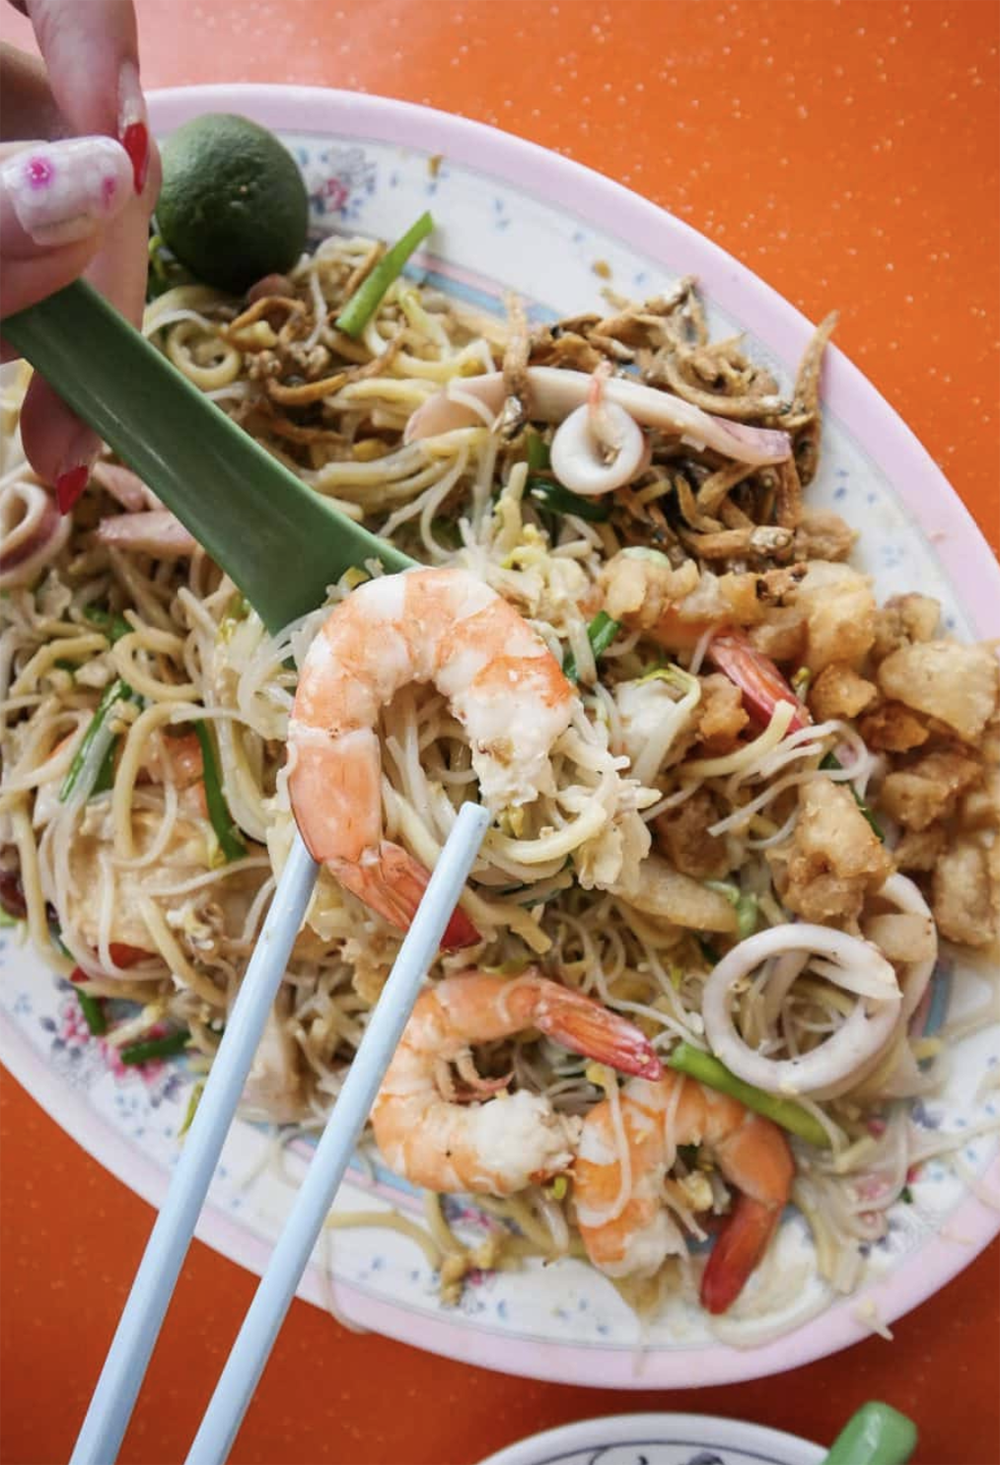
point(848, 153)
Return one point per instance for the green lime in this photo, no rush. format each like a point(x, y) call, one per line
point(233, 206)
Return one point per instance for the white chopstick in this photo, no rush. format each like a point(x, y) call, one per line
point(138, 1329)
point(312, 1204)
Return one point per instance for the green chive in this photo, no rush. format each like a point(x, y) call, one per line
point(55, 936)
point(230, 842)
point(906, 1195)
point(558, 500)
point(600, 633)
point(113, 626)
point(715, 1075)
point(367, 297)
point(191, 1110)
point(93, 1011)
point(64, 664)
point(166, 1047)
point(538, 452)
point(118, 691)
point(832, 763)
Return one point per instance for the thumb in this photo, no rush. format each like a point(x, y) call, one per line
point(55, 199)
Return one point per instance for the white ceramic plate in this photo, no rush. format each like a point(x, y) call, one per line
point(511, 214)
point(660, 1439)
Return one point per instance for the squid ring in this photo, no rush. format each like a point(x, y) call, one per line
point(853, 964)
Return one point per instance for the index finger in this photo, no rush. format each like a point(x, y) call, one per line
point(90, 48)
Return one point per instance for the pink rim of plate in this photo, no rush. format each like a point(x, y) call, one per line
point(936, 510)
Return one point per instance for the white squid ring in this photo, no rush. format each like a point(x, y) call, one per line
point(32, 531)
point(853, 964)
point(577, 461)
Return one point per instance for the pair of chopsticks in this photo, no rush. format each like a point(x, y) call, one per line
point(139, 1327)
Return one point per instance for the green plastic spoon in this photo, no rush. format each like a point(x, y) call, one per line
point(280, 541)
point(876, 1435)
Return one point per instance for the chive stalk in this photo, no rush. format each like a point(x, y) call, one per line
point(555, 499)
point(166, 1047)
point(91, 758)
point(113, 626)
point(715, 1075)
point(600, 633)
point(223, 823)
point(91, 1007)
point(368, 296)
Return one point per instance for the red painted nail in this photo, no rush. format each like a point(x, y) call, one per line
point(70, 485)
point(135, 141)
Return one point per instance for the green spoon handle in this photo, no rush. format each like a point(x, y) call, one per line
point(278, 539)
point(876, 1435)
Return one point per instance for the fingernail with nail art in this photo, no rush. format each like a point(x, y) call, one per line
point(133, 123)
point(61, 191)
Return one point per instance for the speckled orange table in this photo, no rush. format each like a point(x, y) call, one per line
point(848, 153)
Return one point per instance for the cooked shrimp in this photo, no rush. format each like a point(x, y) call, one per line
point(620, 1206)
point(501, 681)
point(512, 1140)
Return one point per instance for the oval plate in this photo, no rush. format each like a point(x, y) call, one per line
point(660, 1439)
point(511, 215)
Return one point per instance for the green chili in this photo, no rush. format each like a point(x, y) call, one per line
point(223, 823)
point(558, 500)
point(118, 691)
point(145, 1052)
point(831, 763)
point(366, 299)
point(113, 626)
point(600, 633)
point(715, 1075)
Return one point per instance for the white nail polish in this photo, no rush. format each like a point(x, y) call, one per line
point(61, 190)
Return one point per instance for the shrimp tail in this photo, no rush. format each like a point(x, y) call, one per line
point(757, 677)
point(740, 1245)
point(392, 883)
point(583, 1025)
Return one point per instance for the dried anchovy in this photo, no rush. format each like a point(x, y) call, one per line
point(718, 485)
point(689, 507)
point(261, 308)
point(759, 540)
point(306, 392)
point(803, 418)
point(551, 347)
point(749, 407)
point(788, 501)
point(361, 271)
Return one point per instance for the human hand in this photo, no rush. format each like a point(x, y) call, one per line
point(78, 204)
